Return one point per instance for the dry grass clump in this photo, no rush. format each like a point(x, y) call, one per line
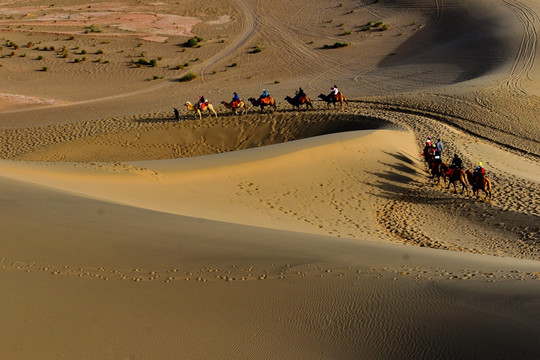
point(188, 77)
point(336, 45)
point(194, 42)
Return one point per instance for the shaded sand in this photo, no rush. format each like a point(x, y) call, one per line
point(279, 235)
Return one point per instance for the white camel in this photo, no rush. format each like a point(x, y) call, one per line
point(196, 109)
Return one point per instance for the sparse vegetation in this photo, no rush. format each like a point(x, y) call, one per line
point(39, 57)
point(189, 76)
point(233, 65)
point(99, 52)
point(347, 32)
point(276, 81)
point(193, 42)
point(141, 62)
point(92, 29)
point(44, 68)
point(336, 45)
point(256, 49)
point(379, 25)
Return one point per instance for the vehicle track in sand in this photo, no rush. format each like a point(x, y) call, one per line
point(526, 55)
point(249, 22)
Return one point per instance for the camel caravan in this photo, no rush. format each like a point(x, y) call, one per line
point(264, 101)
point(455, 173)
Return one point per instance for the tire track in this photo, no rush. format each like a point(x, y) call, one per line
point(449, 119)
point(249, 18)
point(526, 56)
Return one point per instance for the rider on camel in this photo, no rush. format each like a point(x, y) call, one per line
point(235, 100)
point(479, 173)
point(264, 94)
point(456, 162)
point(202, 100)
point(334, 92)
point(439, 146)
point(428, 141)
point(299, 94)
point(437, 154)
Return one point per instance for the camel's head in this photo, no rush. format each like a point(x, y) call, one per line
point(321, 96)
point(187, 103)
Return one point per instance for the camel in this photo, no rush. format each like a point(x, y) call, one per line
point(297, 101)
point(485, 185)
point(332, 99)
point(240, 105)
point(457, 175)
point(437, 170)
point(267, 101)
point(196, 109)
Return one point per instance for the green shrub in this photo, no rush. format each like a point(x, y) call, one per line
point(39, 57)
point(189, 76)
point(92, 29)
point(193, 42)
point(44, 68)
point(336, 45)
point(256, 49)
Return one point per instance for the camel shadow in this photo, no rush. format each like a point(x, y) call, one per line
point(400, 157)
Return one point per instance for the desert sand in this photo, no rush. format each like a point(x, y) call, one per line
point(311, 234)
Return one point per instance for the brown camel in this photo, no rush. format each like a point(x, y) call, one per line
point(457, 174)
point(437, 170)
point(234, 107)
point(267, 101)
point(297, 101)
point(484, 185)
point(334, 100)
point(196, 109)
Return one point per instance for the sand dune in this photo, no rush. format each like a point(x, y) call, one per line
point(280, 235)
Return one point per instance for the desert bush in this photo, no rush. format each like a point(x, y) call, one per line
point(256, 49)
point(384, 27)
point(336, 45)
point(193, 42)
point(99, 52)
point(189, 76)
point(347, 32)
point(233, 65)
point(39, 57)
point(44, 68)
point(22, 55)
point(92, 29)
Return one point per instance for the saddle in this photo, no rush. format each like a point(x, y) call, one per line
point(266, 100)
point(204, 105)
point(235, 103)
